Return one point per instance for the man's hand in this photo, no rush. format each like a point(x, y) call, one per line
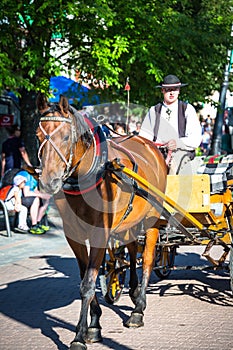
point(171, 145)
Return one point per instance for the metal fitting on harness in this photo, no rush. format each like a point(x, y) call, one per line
point(114, 165)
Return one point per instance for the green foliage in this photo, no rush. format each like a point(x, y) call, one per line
point(113, 40)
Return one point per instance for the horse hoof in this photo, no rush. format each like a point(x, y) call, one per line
point(93, 335)
point(76, 345)
point(135, 321)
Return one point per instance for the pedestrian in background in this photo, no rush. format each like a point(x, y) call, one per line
point(13, 152)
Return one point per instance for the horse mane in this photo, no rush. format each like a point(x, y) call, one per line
point(82, 127)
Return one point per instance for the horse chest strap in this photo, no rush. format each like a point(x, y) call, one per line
point(130, 182)
point(47, 137)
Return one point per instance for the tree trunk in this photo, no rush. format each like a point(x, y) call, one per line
point(29, 120)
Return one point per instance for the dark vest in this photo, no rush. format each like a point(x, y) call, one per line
point(181, 118)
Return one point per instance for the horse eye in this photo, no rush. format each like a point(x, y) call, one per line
point(66, 138)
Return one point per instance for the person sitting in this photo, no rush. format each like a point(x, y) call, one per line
point(120, 130)
point(138, 128)
point(13, 201)
point(36, 201)
point(173, 123)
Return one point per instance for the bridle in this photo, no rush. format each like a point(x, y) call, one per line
point(48, 138)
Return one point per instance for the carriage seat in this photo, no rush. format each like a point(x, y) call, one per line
point(192, 193)
point(220, 171)
point(219, 174)
point(218, 167)
point(207, 196)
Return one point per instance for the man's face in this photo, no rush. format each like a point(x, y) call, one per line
point(17, 133)
point(170, 95)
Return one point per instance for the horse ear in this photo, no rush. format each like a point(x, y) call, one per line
point(64, 103)
point(41, 101)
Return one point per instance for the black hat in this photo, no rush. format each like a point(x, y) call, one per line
point(170, 81)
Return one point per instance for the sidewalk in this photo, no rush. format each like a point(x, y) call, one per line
point(40, 301)
point(21, 246)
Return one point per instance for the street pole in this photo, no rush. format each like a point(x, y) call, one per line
point(127, 88)
point(216, 145)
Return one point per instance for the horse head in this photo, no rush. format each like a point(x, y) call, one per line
point(64, 138)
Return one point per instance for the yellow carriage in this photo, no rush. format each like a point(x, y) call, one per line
point(197, 210)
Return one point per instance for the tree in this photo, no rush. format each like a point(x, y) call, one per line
point(112, 40)
point(37, 39)
point(189, 39)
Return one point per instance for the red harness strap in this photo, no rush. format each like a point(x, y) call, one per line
point(90, 188)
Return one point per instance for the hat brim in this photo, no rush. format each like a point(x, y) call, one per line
point(19, 179)
point(170, 86)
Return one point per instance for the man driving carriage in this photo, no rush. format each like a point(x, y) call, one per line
point(174, 123)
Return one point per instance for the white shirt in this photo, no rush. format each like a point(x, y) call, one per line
point(12, 191)
point(168, 126)
point(10, 199)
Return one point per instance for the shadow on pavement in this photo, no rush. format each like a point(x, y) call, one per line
point(211, 286)
point(28, 300)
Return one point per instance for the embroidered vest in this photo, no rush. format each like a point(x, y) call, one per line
point(181, 118)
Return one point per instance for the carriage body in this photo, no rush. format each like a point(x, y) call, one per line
point(207, 217)
point(213, 210)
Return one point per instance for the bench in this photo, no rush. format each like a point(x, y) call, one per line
point(5, 214)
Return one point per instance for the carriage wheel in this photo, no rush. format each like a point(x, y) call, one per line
point(164, 260)
point(113, 282)
point(231, 266)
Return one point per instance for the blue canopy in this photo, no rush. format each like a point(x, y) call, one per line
point(76, 93)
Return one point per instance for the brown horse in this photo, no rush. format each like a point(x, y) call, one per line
point(97, 201)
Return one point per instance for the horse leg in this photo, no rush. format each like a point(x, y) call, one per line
point(87, 292)
point(94, 328)
point(136, 318)
point(81, 254)
point(133, 281)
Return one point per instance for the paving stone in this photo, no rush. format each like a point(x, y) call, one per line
point(40, 302)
